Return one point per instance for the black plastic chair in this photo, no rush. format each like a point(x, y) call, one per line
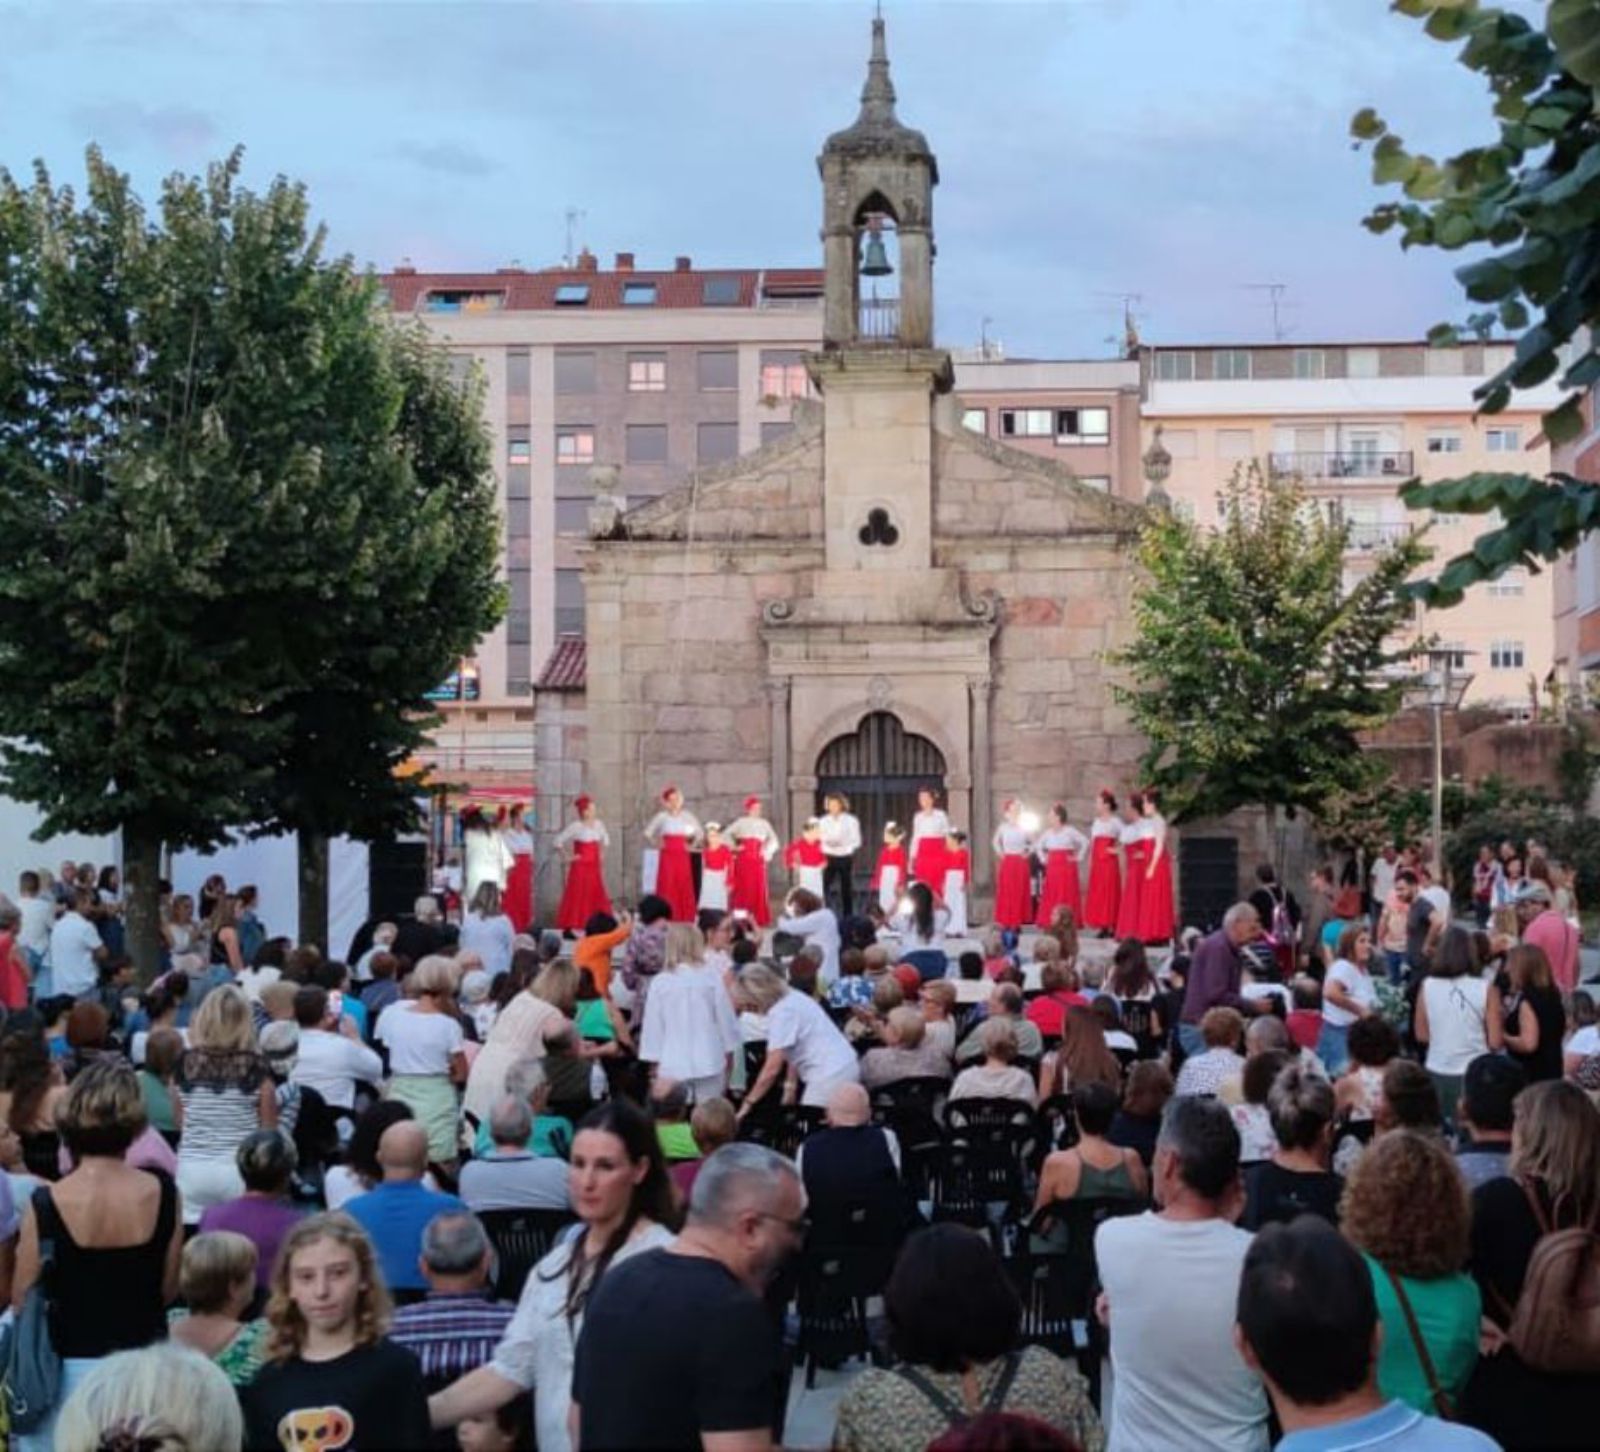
point(521, 1239)
point(1004, 1135)
point(1058, 1125)
point(848, 1257)
point(910, 1110)
point(784, 1128)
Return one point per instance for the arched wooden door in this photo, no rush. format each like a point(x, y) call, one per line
point(879, 767)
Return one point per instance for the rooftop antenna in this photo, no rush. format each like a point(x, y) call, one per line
point(1275, 292)
point(574, 216)
point(1130, 328)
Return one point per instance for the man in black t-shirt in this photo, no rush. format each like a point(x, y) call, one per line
point(676, 1343)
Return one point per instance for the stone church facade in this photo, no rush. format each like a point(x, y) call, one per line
point(879, 600)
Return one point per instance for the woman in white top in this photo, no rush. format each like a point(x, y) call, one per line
point(1013, 882)
point(625, 1205)
point(1348, 993)
point(1459, 1016)
point(805, 917)
point(690, 1033)
point(801, 1040)
point(929, 828)
point(426, 1060)
point(488, 859)
point(921, 926)
point(997, 1077)
point(540, 1012)
point(487, 931)
point(183, 937)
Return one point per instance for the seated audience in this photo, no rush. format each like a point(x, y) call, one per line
point(332, 1059)
point(456, 1329)
point(907, 1051)
point(713, 1124)
point(998, 1076)
point(1296, 1180)
point(1138, 1121)
point(1005, 1002)
point(1180, 1380)
point(263, 1215)
point(510, 1176)
point(528, 1080)
point(1372, 1043)
point(1218, 1059)
point(1093, 1168)
point(1308, 1326)
point(1489, 1094)
point(218, 1282)
point(1408, 1099)
point(953, 1325)
point(669, 1104)
point(1251, 1117)
point(1058, 991)
point(851, 1162)
point(1405, 1208)
point(396, 1210)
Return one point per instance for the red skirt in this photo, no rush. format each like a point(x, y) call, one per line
point(1156, 914)
point(1013, 894)
point(1060, 887)
point(927, 863)
point(749, 882)
point(584, 894)
point(1132, 891)
point(675, 878)
point(517, 900)
point(1105, 885)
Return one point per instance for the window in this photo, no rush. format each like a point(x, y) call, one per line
point(1444, 442)
point(518, 451)
point(572, 516)
point(569, 602)
point(718, 370)
point(1440, 517)
point(1309, 363)
point(1502, 441)
point(1174, 367)
point(647, 444)
point(1083, 425)
point(1232, 363)
point(878, 530)
point(772, 432)
point(1026, 423)
point(720, 292)
point(574, 372)
point(783, 374)
point(572, 295)
point(717, 442)
point(575, 444)
point(1234, 443)
point(1361, 362)
point(1180, 443)
point(1514, 582)
point(975, 420)
point(1457, 654)
point(1444, 362)
point(1101, 483)
point(1505, 655)
point(517, 373)
point(647, 373)
point(638, 294)
point(465, 302)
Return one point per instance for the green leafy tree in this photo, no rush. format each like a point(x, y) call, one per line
point(204, 443)
point(1252, 669)
point(1532, 195)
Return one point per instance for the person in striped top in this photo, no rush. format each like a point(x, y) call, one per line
point(456, 1329)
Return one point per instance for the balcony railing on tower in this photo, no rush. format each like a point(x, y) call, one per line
point(879, 320)
point(1346, 464)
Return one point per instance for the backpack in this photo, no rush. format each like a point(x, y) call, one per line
point(953, 1412)
point(32, 1366)
point(1556, 1324)
point(1284, 932)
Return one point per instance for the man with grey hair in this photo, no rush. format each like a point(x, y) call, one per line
point(677, 1348)
point(1268, 1034)
point(510, 1176)
point(456, 1329)
point(1180, 1380)
point(1005, 1001)
point(1216, 974)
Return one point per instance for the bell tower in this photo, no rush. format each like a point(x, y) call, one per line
point(878, 178)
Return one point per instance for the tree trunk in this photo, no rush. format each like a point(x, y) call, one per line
point(141, 865)
point(312, 858)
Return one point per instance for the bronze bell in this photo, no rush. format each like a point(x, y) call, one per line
point(875, 261)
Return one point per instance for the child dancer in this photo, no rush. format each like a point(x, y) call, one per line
point(957, 873)
point(889, 873)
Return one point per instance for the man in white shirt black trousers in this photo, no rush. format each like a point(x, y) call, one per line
point(841, 840)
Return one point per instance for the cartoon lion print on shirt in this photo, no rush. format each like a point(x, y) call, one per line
point(316, 1429)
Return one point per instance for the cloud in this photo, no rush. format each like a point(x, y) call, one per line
point(452, 157)
point(116, 122)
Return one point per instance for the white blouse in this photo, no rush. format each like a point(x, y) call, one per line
point(929, 824)
point(1062, 839)
point(759, 828)
point(672, 824)
point(1011, 840)
point(1107, 827)
point(582, 831)
point(520, 842)
point(689, 1025)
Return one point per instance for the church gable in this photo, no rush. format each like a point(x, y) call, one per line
point(985, 489)
point(774, 492)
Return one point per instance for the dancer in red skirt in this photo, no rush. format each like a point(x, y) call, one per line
point(1157, 914)
point(1061, 849)
point(584, 893)
point(1013, 883)
point(1135, 858)
point(889, 872)
point(1105, 871)
point(807, 858)
point(755, 845)
point(673, 831)
point(929, 828)
point(516, 902)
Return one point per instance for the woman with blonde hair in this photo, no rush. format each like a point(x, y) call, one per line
point(228, 1092)
point(332, 1372)
point(540, 1012)
point(1405, 1208)
point(802, 1041)
point(689, 1033)
point(426, 1058)
point(162, 1398)
point(217, 1280)
point(222, 927)
point(997, 1077)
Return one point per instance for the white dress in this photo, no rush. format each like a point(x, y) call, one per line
point(889, 885)
point(810, 879)
point(488, 859)
point(714, 885)
point(536, 1351)
point(689, 1027)
point(955, 900)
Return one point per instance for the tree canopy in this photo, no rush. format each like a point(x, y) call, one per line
point(1253, 668)
point(1531, 196)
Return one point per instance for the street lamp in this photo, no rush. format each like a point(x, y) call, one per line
point(1446, 685)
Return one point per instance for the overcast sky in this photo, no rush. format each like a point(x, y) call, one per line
point(1178, 149)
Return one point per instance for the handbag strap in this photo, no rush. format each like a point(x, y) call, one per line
point(951, 1410)
point(1441, 1398)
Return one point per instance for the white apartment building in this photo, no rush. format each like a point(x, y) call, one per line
point(1353, 422)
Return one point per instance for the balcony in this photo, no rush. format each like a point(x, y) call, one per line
point(879, 320)
point(1359, 464)
point(1365, 537)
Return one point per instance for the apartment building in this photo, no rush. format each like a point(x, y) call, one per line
point(1352, 422)
point(1575, 580)
point(653, 371)
point(1084, 414)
